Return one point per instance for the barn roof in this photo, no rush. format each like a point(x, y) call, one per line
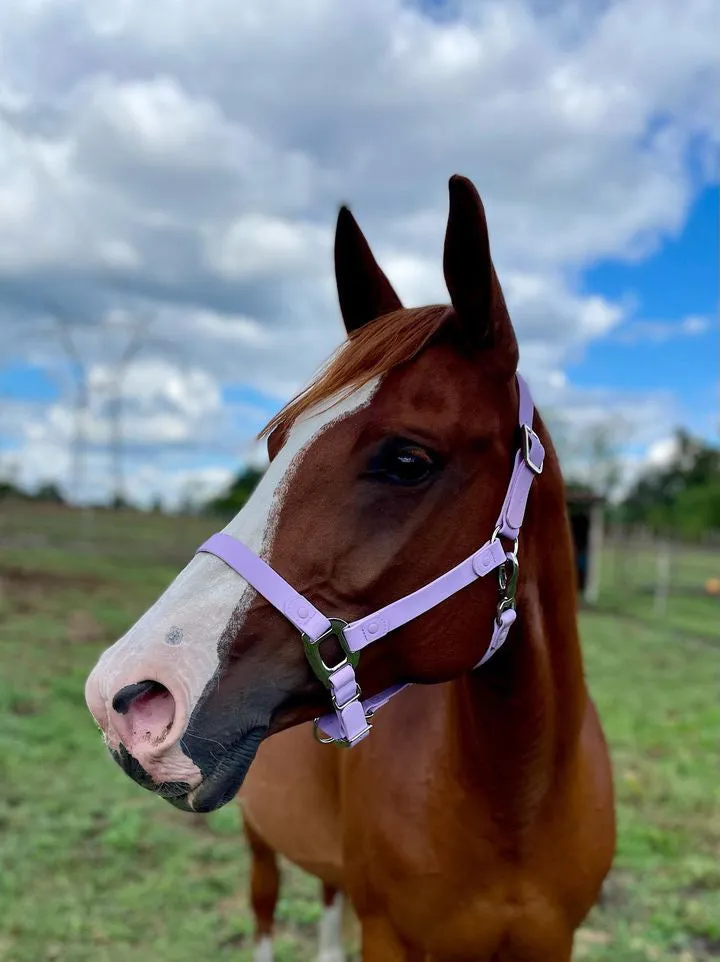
point(575, 495)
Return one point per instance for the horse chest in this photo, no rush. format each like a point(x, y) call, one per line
point(448, 891)
point(423, 856)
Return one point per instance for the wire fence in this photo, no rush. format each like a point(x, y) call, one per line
point(662, 581)
point(53, 532)
point(666, 583)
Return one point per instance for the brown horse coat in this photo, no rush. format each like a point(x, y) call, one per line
point(476, 822)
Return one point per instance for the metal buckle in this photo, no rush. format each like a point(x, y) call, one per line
point(496, 536)
point(350, 700)
point(528, 435)
point(344, 742)
point(312, 651)
point(341, 742)
point(507, 584)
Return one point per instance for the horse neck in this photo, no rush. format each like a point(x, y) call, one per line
point(518, 718)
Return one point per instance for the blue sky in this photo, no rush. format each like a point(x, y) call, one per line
point(679, 280)
point(26, 383)
point(185, 194)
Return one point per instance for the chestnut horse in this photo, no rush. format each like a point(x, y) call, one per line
point(475, 821)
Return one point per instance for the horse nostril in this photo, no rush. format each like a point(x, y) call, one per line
point(126, 696)
point(145, 716)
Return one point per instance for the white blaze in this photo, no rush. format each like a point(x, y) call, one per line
point(176, 640)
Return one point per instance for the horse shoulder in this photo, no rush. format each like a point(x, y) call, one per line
point(291, 799)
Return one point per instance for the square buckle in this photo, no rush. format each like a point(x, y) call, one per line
point(312, 651)
point(528, 436)
point(354, 697)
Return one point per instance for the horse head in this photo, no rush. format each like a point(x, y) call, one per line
point(385, 472)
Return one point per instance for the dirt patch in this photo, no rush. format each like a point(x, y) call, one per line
point(237, 941)
point(587, 939)
point(16, 577)
point(710, 883)
point(24, 707)
point(84, 628)
point(26, 592)
point(708, 947)
point(613, 894)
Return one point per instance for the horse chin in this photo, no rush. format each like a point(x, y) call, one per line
point(215, 790)
point(224, 782)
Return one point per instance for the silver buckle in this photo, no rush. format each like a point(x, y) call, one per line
point(528, 435)
point(341, 742)
point(507, 583)
point(351, 699)
point(312, 651)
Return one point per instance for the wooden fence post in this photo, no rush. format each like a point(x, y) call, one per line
point(595, 547)
point(662, 578)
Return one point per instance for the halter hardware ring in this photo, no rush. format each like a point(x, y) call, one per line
point(495, 536)
point(341, 742)
point(312, 651)
point(319, 737)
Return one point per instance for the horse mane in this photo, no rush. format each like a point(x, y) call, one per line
point(370, 351)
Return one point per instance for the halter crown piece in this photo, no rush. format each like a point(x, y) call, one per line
point(350, 722)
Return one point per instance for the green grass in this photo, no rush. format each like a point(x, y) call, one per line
point(92, 868)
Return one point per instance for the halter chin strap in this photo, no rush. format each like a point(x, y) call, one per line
point(350, 722)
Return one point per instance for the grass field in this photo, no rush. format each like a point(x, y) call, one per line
point(92, 869)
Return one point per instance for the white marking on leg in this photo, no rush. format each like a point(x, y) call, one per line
point(330, 932)
point(263, 951)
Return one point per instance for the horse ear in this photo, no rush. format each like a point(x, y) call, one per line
point(275, 441)
point(363, 289)
point(471, 280)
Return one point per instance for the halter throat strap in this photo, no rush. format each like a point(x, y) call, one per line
point(350, 722)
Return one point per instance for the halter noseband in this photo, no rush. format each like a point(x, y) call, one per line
point(350, 722)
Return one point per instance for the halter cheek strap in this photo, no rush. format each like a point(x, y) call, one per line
point(350, 722)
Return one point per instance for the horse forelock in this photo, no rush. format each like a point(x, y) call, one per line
point(368, 354)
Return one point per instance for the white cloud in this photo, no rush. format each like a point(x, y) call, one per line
point(661, 331)
point(179, 166)
point(662, 452)
point(260, 246)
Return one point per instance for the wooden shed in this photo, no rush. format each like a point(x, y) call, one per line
point(586, 511)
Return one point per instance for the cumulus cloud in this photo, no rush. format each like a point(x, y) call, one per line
point(176, 168)
point(659, 332)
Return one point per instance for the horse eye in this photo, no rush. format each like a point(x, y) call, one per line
point(402, 462)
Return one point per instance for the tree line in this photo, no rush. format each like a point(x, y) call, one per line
point(679, 498)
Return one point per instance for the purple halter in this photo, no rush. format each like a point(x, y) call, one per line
point(350, 723)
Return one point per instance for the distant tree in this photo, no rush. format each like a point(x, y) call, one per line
point(237, 494)
point(11, 491)
point(49, 492)
point(682, 496)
